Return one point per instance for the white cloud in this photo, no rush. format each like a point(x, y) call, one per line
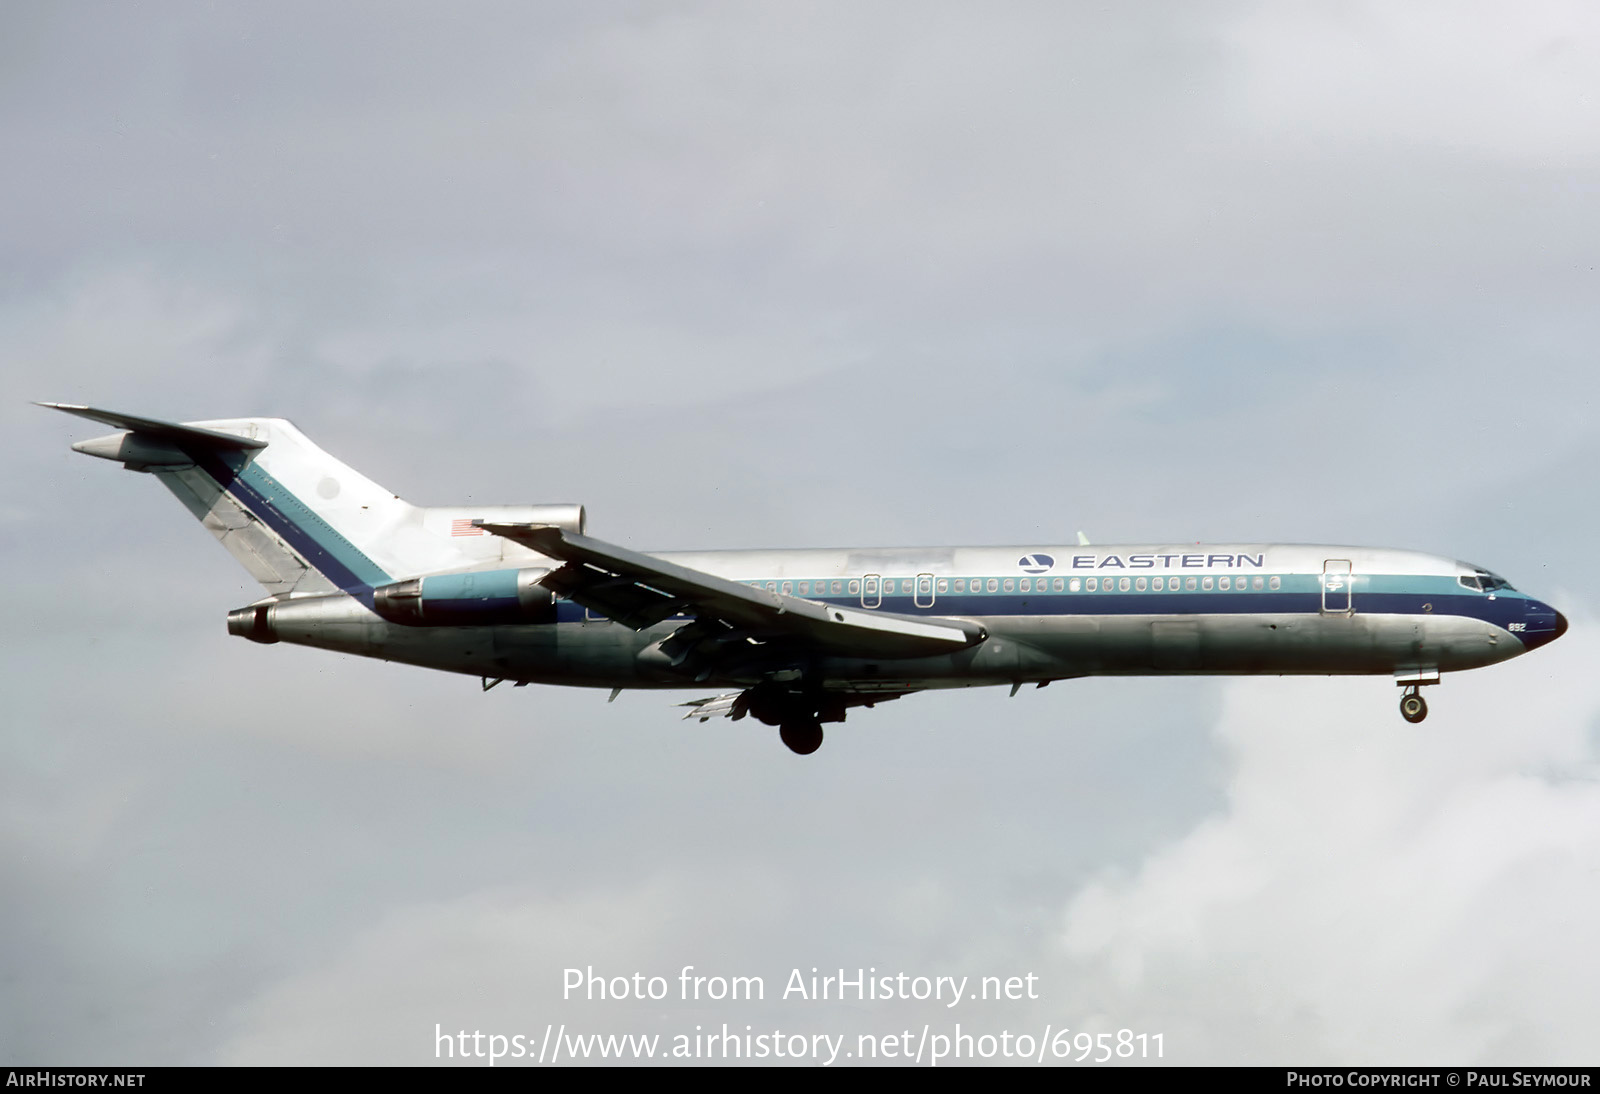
point(1373, 892)
point(1507, 83)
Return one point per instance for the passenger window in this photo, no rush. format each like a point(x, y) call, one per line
point(1122, 585)
point(1205, 583)
point(1276, 582)
point(1158, 583)
point(944, 585)
point(1076, 584)
point(961, 584)
point(788, 588)
point(1061, 585)
point(994, 585)
point(1224, 583)
point(1008, 585)
point(1189, 584)
point(1255, 583)
point(1094, 584)
point(772, 586)
point(855, 587)
point(1140, 584)
point(836, 588)
point(1025, 585)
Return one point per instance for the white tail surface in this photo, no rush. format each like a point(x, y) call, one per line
point(299, 520)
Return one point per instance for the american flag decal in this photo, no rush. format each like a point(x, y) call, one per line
point(463, 527)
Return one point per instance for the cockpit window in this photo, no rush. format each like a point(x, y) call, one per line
point(1484, 581)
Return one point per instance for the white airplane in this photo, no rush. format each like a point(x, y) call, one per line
point(521, 593)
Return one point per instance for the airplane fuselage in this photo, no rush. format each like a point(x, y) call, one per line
point(522, 593)
point(1049, 613)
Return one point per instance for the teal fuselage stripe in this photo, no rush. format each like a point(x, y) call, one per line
point(294, 515)
point(276, 506)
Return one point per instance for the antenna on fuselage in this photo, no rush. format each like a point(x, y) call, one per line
point(1083, 540)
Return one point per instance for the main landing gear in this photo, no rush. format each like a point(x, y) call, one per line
point(802, 737)
point(1413, 707)
point(798, 712)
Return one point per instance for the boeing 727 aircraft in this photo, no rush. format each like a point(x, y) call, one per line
point(797, 637)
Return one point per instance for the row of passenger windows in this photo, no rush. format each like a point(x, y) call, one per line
point(909, 586)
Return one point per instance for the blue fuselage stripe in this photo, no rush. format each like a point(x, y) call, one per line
point(1502, 610)
point(1499, 611)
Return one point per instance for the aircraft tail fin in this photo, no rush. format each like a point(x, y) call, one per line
point(297, 518)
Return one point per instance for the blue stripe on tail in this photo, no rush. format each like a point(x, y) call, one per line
point(276, 506)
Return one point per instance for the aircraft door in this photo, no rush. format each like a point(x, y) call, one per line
point(871, 590)
point(1336, 586)
point(924, 592)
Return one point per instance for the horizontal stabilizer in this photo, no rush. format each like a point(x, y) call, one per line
point(152, 427)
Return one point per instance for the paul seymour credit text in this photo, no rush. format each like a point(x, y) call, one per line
point(917, 1043)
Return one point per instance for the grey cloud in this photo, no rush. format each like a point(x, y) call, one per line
point(784, 275)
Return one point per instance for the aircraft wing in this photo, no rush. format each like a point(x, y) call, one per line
point(639, 591)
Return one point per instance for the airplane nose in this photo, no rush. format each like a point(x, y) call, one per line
point(1542, 625)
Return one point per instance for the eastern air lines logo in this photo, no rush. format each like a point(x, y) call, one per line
point(1036, 564)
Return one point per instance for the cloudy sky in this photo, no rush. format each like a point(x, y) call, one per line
point(800, 274)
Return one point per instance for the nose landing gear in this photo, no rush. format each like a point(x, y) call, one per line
point(1413, 707)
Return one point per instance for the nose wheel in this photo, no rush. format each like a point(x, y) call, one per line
point(1413, 708)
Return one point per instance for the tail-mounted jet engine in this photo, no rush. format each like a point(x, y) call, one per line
point(481, 599)
point(568, 517)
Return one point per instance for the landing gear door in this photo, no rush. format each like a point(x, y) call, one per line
point(1336, 586)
